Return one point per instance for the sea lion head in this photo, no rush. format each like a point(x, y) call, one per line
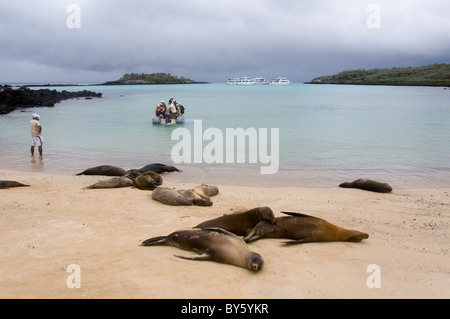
point(256, 262)
point(133, 173)
point(209, 190)
point(358, 236)
point(266, 214)
point(345, 185)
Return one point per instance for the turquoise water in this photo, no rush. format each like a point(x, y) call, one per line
point(327, 134)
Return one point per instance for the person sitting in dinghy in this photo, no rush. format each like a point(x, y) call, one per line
point(180, 108)
point(174, 112)
point(159, 111)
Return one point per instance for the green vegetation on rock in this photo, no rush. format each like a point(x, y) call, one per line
point(430, 75)
point(154, 78)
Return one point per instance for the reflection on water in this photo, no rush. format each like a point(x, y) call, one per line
point(37, 166)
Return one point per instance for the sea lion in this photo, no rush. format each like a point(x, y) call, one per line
point(158, 168)
point(147, 181)
point(115, 182)
point(303, 229)
point(8, 184)
point(106, 170)
point(180, 197)
point(206, 190)
point(368, 185)
point(144, 181)
point(240, 224)
point(213, 244)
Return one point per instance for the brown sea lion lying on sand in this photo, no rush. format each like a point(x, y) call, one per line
point(106, 170)
point(158, 168)
point(143, 181)
point(8, 184)
point(303, 229)
point(213, 244)
point(368, 185)
point(196, 196)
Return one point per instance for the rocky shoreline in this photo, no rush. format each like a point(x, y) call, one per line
point(23, 97)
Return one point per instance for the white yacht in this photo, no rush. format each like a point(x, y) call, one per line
point(259, 80)
point(245, 80)
point(280, 81)
point(233, 81)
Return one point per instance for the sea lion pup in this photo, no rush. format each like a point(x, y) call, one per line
point(8, 184)
point(147, 181)
point(303, 229)
point(115, 182)
point(106, 170)
point(240, 224)
point(368, 185)
point(206, 190)
point(158, 168)
point(180, 197)
point(214, 244)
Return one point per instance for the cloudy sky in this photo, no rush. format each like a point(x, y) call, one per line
point(100, 40)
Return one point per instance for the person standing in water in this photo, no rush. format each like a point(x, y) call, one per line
point(36, 138)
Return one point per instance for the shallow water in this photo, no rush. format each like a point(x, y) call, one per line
point(327, 134)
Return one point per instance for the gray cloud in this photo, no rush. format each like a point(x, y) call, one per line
point(214, 40)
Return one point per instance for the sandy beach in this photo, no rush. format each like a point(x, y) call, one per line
point(57, 222)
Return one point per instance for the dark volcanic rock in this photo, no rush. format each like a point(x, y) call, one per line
point(11, 99)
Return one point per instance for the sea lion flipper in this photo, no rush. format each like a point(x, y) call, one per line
point(154, 241)
point(201, 202)
point(297, 214)
point(201, 257)
point(251, 236)
point(298, 241)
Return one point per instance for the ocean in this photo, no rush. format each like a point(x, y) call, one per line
point(308, 135)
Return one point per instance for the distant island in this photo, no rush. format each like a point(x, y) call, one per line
point(430, 75)
point(154, 78)
point(24, 97)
